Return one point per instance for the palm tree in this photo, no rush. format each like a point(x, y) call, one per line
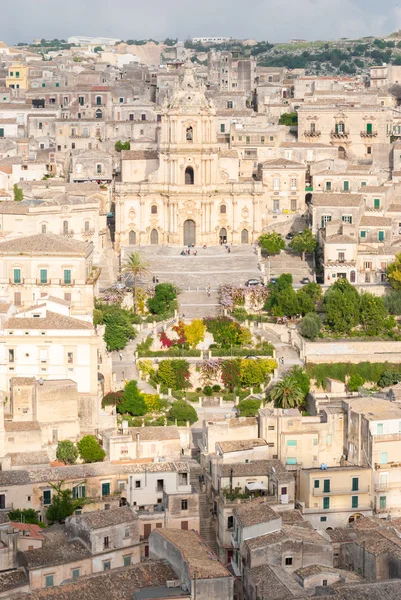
point(286, 393)
point(136, 266)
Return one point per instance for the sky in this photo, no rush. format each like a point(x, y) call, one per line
point(271, 20)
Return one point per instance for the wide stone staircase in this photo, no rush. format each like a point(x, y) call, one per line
point(288, 262)
point(110, 268)
point(207, 521)
point(212, 266)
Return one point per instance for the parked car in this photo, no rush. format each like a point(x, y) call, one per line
point(253, 282)
point(305, 280)
point(290, 236)
point(273, 280)
point(119, 285)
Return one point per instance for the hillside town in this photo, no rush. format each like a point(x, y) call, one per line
point(203, 398)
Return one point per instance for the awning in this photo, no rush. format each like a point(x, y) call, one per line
point(255, 487)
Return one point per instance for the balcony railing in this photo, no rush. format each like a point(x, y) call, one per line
point(312, 134)
point(339, 135)
point(234, 541)
point(341, 492)
point(369, 134)
point(235, 568)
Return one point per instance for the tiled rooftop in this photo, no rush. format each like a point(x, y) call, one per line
point(255, 512)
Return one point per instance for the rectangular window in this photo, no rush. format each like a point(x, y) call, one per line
point(383, 458)
point(222, 128)
point(346, 186)
point(79, 491)
point(323, 519)
point(316, 484)
point(355, 484)
point(380, 236)
point(1, 132)
point(291, 461)
point(107, 565)
point(10, 355)
point(106, 489)
point(67, 276)
point(293, 183)
point(326, 485)
point(329, 439)
point(17, 275)
point(383, 502)
point(248, 139)
point(288, 561)
point(49, 581)
point(137, 484)
point(276, 184)
point(47, 497)
point(376, 203)
point(127, 560)
point(326, 503)
point(43, 275)
point(354, 501)
point(347, 219)
point(291, 442)
point(341, 257)
point(363, 234)
point(75, 573)
point(369, 127)
point(325, 219)
point(106, 541)
point(380, 429)
point(98, 169)
point(328, 186)
point(184, 504)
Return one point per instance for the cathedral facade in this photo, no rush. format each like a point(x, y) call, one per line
point(189, 191)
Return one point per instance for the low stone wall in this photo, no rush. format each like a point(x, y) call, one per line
point(351, 351)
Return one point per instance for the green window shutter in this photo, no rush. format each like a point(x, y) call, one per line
point(369, 127)
point(380, 429)
point(57, 85)
point(67, 276)
point(316, 484)
point(17, 73)
point(381, 236)
point(127, 561)
point(291, 461)
point(47, 497)
point(383, 458)
point(83, 491)
point(346, 186)
point(336, 128)
point(49, 581)
point(323, 519)
point(291, 442)
point(75, 573)
point(363, 184)
point(328, 186)
point(17, 275)
point(326, 485)
point(11, 73)
point(377, 202)
point(43, 85)
point(105, 489)
point(355, 484)
point(383, 502)
point(363, 234)
point(1, 132)
point(222, 128)
point(43, 275)
point(326, 503)
point(354, 501)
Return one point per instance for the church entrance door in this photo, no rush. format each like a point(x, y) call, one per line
point(223, 236)
point(189, 233)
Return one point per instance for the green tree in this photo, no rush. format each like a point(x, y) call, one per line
point(290, 119)
point(271, 243)
point(62, 505)
point(90, 450)
point(305, 303)
point(166, 374)
point(181, 411)
point(355, 382)
point(67, 452)
point(303, 243)
point(249, 407)
point(394, 273)
point(251, 372)
point(286, 393)
point(314, 291)
point(18, 193)
point(132, 401)
point(136, 266)
point(302, 379)
point(310, 326)
point(389, 377)
point(373, 313)
point(26, 515)
point(392, 302)
point(164, 300)
point(341, 303)
point(283, 303)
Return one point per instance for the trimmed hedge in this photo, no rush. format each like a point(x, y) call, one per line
point(228, 352)
point(171, 352)
point(368, 371)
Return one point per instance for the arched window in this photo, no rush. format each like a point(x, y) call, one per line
point(132, 238)
point(244, 236)
point(223, 209)
point(44, 228)
point(189, 176)
point(65, 227)
point(342, 153)
point(99, 114)
point(189, 134)
point(87, 224)
point(98, 101)
point(153, 209)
